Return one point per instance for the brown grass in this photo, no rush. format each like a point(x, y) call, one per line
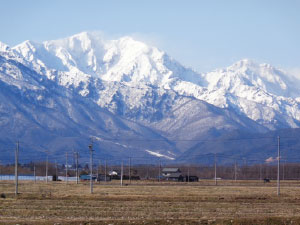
point(243, 202)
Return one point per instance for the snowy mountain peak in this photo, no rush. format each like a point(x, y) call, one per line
point(4, 47)
point(248, 73)
point(113, 70)
point(87, 54)
point(82, 42)
point(244, 63)
point(27, 49)
point(85, 35)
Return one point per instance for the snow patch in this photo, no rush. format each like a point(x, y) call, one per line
point(157, 154)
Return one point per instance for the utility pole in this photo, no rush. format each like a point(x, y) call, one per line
point(76, 154)
point(122, 173)
point(188, 173)
point(159, 171)
point(56, 173)
point(278, 167)
point(98, 169)
point(34, 175)
point(245, 169)
point(105, 171)
point(147, 172)
point(235, 168)
point(16, 168)
point(215, 169)
point(66, 167)
point(283, 165)
point(129, 172)
point(260, 176)
point(91, 165)
point(47, 167)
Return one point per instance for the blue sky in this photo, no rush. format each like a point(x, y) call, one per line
point(204, 35)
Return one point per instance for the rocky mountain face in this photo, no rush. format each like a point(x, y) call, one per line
point(123, 91)
point(47, 117)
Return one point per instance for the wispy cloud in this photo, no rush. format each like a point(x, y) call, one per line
point(295, 72)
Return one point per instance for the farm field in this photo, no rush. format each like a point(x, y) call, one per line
point(141, 202)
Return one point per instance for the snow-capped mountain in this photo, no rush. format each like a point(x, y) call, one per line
point(101, 68)
point(81, 57)
point(259, 91)
point(144, 86)
point(47, 117)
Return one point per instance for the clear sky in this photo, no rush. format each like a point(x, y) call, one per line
point(204, 35)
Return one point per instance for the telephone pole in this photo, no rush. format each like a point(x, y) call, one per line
point(278, 166)
point(215, 169)
point(148, 172)
point(235, 168)
point(47, 167)
point(34, 175)
point(76, 155)
point(66, 167)
point(129, 172)
point(283, 165)
point(245, 168)
point(159, 166)
point(105, 171)
point(16, 169)
point(91, 165)
point(56, 173)
point(122, 174)
point(188, 173)
point(98, 170)
point(260, 176)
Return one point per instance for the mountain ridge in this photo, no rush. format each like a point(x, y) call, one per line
point(247, 87)
point(146, 87)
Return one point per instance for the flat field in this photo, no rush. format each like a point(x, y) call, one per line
point(242, 202)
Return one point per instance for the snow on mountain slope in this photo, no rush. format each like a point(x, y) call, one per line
point(12, 75)
point(3, 47)
point(247, 72)
point(46, 116)
point(190, 119)
point(127, 76)
point(259, 91)
point(86, 55)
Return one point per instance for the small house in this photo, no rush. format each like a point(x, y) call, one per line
point(172, 174)
point(87, 177)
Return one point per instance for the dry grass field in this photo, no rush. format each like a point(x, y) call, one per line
point(243, 202)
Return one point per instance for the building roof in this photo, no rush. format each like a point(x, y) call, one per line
point(172, 175)
point(170, 170)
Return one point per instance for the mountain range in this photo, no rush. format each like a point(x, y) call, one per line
point(135, 101)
